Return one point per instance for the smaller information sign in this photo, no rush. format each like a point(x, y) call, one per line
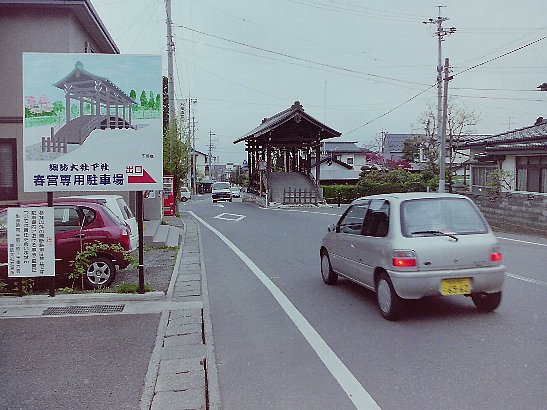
point(31, 242)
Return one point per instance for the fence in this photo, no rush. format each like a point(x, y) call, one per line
point(54, 144)
point(299, 196)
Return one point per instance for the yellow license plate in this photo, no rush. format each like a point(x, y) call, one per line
point(456, 286)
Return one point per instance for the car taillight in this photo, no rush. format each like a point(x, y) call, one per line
point(126, 241)
point(403, 259)
point(495, 256)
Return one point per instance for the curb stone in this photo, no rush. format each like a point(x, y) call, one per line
point(182, 369)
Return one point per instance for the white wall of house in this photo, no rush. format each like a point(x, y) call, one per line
point(509, 165)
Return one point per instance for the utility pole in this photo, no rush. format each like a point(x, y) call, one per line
point(442, 159)
point(209, 156)
point(195, 182)
point(170, 81)
point(192, 133)
point(440, 33)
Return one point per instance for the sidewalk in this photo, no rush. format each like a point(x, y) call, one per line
point(182, 370)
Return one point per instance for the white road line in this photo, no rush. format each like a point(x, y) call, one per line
point(518, 240)
point(230, 217)
point(356, 393)
point(301, 211)
point(525, 279)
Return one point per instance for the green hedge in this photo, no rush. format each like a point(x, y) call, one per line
point(373, 184)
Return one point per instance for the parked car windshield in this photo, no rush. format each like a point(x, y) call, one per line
point(221, 185)
point(450, 215)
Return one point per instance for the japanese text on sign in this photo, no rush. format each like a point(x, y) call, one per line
point(31, 245)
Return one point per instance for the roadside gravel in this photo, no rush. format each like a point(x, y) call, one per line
point(158, 264)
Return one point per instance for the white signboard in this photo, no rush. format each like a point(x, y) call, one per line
point(31, 242)
point(92, 122)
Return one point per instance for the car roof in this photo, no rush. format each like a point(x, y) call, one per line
point(404, 196)
point(89, 203)
point(95, 196)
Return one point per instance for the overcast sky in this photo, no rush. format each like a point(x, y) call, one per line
point(347, 62)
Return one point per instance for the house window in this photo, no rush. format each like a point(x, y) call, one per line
point(8, 169)
point(482, 177)
point(532, 173)
point(349, 161)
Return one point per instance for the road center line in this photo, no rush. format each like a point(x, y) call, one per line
point(518, 240)
point(356, 393)
point(525, 279)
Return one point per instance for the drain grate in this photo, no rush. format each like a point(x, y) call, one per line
point(82, 310)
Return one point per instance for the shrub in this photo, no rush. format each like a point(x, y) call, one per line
point(376, 182)
point(132, 288)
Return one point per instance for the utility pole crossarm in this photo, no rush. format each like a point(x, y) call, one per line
point(440, 33)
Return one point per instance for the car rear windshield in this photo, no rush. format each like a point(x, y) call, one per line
point(127, 214)
point(221, 185)
point(448, 215)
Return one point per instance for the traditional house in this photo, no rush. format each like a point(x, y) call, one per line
point(514, 160)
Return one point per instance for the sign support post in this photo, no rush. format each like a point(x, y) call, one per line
point(52, 280)
point(141, 240)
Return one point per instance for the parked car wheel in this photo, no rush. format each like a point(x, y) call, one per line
point(100, 273)
point(329, 276)
point(389, 303)
point(486, 302)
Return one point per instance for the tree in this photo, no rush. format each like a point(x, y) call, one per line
point(176, 153)
point(133, 96)
point(157, 105)
point(411, 149)
point(144, 100)
point(151, 101)
point(460, 122)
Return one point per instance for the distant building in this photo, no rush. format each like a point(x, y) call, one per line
point(46, 26)
point(341, 162)
point(345, 151)
point(393, 145)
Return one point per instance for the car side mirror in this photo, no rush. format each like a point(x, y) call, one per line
point(332, 228)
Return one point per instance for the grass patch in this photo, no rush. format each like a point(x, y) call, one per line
point(132, 288)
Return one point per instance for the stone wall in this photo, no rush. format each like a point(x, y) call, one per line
point(519, 212)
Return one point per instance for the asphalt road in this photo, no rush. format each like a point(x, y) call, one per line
point(76, 362)
point(443, 354)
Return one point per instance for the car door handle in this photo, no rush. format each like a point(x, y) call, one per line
point(80, 235)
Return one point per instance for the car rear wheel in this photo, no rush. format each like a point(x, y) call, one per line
point(100, 273)
point(389, 303)
point(329, 276)
point(486, 302)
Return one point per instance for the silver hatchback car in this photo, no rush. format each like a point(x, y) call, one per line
point(411, 245)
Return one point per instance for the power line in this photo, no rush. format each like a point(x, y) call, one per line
point(301, 59)
point(352, 75)
point(434, 85)
point(393, 109)
point(503, 55)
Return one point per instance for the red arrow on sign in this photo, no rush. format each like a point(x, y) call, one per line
point(145, 178)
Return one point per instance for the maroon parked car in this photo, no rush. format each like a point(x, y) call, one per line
point(77, 224)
